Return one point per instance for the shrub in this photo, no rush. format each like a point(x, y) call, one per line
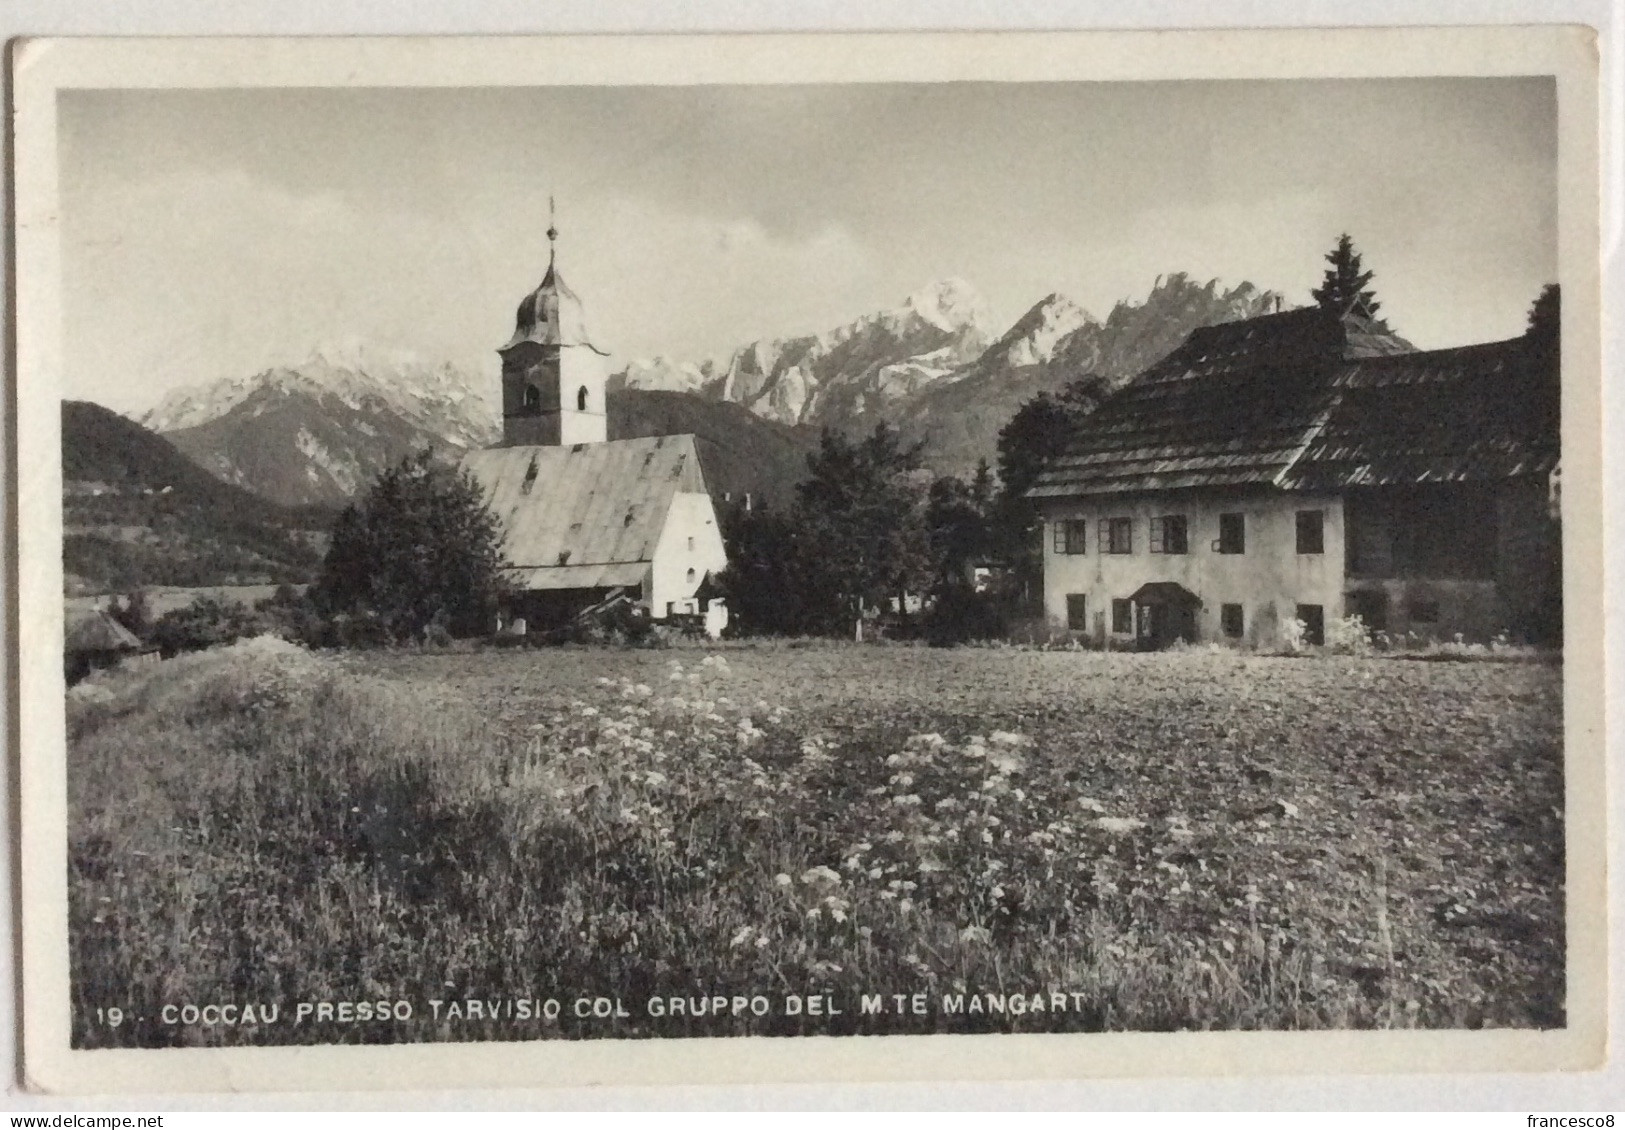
point(206, 622)
point(960, 614)
point(1292, 631)
point(1348, 636)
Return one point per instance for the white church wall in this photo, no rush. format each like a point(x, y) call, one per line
point(690, 546)
point(582, 367)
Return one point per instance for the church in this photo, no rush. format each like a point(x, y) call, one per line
point(586, 517)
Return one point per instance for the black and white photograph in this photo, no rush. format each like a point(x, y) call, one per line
point(639, 560)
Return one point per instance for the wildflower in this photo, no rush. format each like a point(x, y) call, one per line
point(905, 905)
point(589, 711)
point(1119, 825)
point(782, 879)
point(972, 935)
point(820, 873)
point(744, 935)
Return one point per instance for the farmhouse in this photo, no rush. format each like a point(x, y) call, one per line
point(1302, 467)
point(585, 517)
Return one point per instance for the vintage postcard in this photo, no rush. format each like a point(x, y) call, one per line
point(809, 557)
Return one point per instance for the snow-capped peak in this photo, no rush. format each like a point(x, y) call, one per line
point(950, 304)
point(353, 372)
point(1034, 337)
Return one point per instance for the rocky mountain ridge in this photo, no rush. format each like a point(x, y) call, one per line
point(318, 432)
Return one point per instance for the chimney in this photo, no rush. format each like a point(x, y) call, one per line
point(1277, 303)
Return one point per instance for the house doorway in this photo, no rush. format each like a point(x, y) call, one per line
point(1166, 613)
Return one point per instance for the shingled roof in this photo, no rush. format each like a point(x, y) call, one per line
point(589, 515)
point(97, 631)
point(1304, 400)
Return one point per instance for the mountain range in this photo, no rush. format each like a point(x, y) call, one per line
point(930, 367)
point(317, 432)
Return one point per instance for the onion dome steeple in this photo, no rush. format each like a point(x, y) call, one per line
point(551, 314)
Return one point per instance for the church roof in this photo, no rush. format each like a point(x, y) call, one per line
point(579, 516)
point(550, 315)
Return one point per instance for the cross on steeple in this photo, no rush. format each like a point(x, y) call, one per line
point(552, 230)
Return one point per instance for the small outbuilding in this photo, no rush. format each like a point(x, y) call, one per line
point(95, 641)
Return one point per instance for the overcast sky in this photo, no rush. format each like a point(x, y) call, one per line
point(210, 234)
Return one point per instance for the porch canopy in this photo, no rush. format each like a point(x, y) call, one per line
point(1170, 593)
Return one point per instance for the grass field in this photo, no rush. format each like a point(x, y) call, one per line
point(1028, 840)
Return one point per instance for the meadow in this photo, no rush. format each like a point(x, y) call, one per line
point(1028, 840)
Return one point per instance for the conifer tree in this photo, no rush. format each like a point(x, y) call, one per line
point(1344, 287)
point(420, 548)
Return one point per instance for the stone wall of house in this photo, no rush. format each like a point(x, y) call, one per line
point(1269, 579)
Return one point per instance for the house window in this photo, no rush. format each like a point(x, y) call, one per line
point(1123, 617)
point(1231, 621)
point(1117, 535)
point(1069, 535)
point(691, 545)
point(1370, 605)
point(1311, 531)
point(1232, 533)
point(1313, 617)
point(690, 576)
point(1168, 534)
point(1077, 612)
point(581, 399)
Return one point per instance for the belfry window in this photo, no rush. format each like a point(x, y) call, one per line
point(533, 396)
point(581, 399)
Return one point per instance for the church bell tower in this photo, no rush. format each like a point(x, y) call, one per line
point(552, 376)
